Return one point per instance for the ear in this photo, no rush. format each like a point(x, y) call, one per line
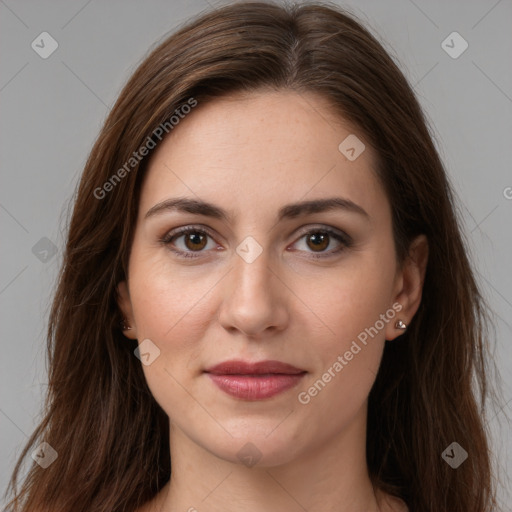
point(409, 285)
point(125, 306)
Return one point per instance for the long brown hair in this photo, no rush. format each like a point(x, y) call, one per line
point(110, 434)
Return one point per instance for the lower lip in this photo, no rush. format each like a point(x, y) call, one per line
point(253, 387)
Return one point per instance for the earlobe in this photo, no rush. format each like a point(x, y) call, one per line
point(125, 307)
point(411, 280)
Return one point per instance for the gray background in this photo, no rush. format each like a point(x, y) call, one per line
point(52, 110)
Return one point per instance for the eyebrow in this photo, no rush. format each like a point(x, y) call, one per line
point(289, 211)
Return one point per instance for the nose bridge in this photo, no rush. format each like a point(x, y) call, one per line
point(251, 279)
point(252, 269)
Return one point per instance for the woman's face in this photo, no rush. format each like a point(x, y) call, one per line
point(264, 281)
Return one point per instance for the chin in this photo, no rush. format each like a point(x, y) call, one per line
point(251, 446)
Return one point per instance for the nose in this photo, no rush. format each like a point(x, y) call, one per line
point(254, 298)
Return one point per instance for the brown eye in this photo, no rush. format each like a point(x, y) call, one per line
point(188, 242)
point(318, 240)
point(195, 240)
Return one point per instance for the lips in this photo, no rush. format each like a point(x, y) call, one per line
point(239, 367)
point(254, 381)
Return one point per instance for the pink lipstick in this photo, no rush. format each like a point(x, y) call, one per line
point(254, 381)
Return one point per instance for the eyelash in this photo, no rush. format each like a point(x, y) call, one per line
point(343, 238)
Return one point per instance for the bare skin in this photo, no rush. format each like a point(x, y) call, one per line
point(299, 302)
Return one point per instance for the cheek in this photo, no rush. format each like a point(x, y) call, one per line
point(352, 298)
point(172, 308)
point(354, 309)
point(172, 314)
point(169, 298)
point(349, 362)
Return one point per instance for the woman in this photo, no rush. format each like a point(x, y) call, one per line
point(265, 302)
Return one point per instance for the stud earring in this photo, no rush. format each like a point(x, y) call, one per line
point(400, 325)
point(125, 326)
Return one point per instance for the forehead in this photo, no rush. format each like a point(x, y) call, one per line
point(255, 152)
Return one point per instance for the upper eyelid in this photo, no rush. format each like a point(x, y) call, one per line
point(322, 227)
point(189, 228)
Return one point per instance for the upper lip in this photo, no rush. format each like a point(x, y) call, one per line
point(239, 367)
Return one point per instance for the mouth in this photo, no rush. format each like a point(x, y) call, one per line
point(254, 381)
point(239, 367)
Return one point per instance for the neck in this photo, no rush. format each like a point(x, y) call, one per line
point(329, 478)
